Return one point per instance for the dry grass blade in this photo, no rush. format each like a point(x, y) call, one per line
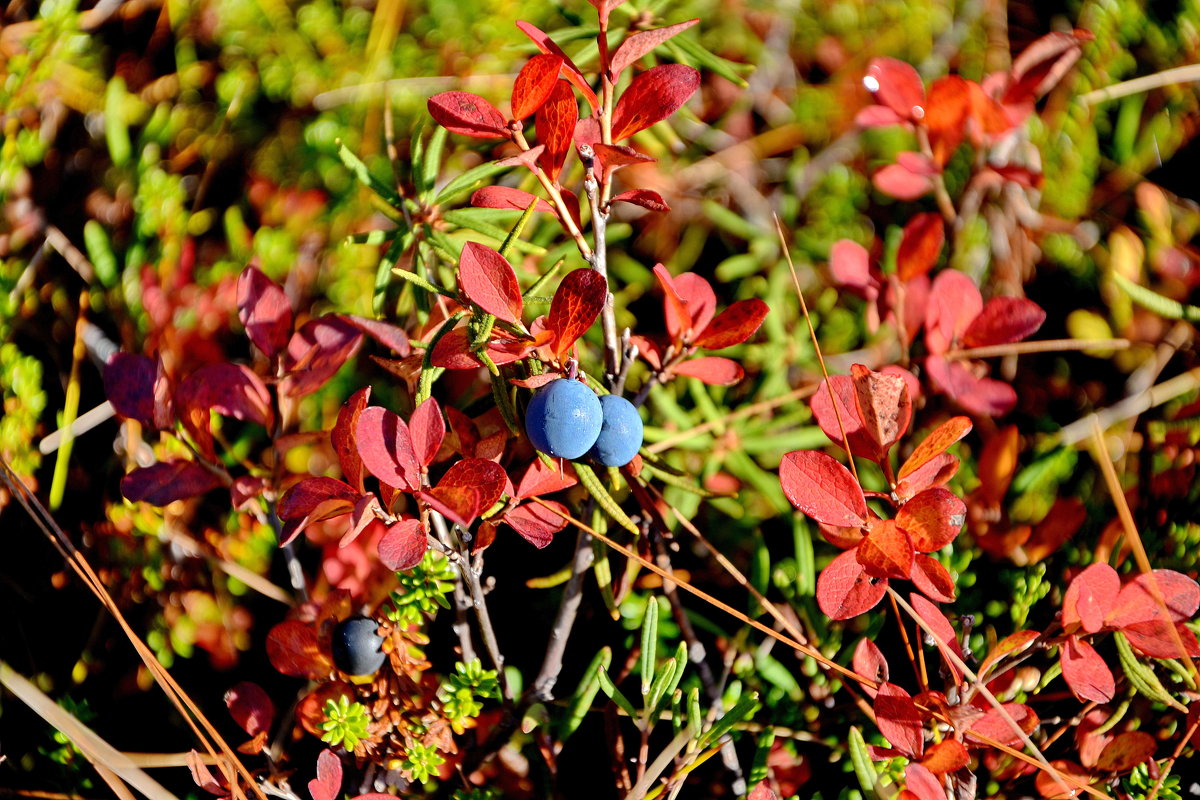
point(1043, 346)
point(1128, 408)
point(1065, 782)
point(833, 401)
point(803, 649)
point(1104, 460)
point(103, 755)
point(200, 725)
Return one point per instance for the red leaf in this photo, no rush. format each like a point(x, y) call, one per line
point(883, 406)
point(556, 128)
point(646, 198)
point(534, 83)
point(536, 523)
point(1090, 598)
point(675, 308)
point(870, 663)
point(468, 114)
point(639, 44)
point(845, 416)
point(734, 325)
point(948, 755)
point(932, 519)
point(899, 720)
point(293, 649)
point(1138, 614)
point(845, 590)
point(1004, 320)
point(488, 281)
point(920, 781)
point(404, 545)
point(167, 481)
point(1040, 67)
point(328, 783)
point(1085, 671)
point(762, 792)
point(614, 156)
point(508, 198)
point(244, 490)
point(896, 85)
point(1126, 751)
point(575, 306)
point(264, 311)
point(932, 579)
point(712, 370)
point(982, 396)
point(936, 472)
point(933, 445)
point(540, 479)
point(129, 384)
point(900, 182)
point(204, 778)
point(427, 429)
point(1073, 775)
point(947, 109)
point(1156, 640)
point(823, 489)
point(945, 638)
point(390, 336)
point(875, 116)
point(546, 45)
point(386, 449)
point(954, 302)
point(312, 500)
point(920, 245)
point(886, 551)
point(651, 97)
point(366, 513)
point(1011, 644)
point(231, 390)
point(995, 727)
point(342, 437)
point(316, 352)
point(453, 351)
point(851, 266)
point(250, 707)
point(468, 488)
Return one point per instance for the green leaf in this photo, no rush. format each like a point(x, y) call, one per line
point(466, 183)
point(471, 219)
point(649, 646)
point(356, 166)
point(1141, 677)
point(742, 710)
point(116, 133)
point(693, 51)
point(432, 162)
point(99, 250)
point(418, 281)
point(585, 693)
point(680, 659)
point(614, 693)
point(1163, 306)
point(383, 273)
point(596, 489)
point(860, 757)
point(430, 373)
point(658, 689)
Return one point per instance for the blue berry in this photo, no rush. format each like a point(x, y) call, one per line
point(620, 435)
point(357, 646)
point(563, 419)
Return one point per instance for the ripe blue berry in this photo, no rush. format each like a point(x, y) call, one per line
point(563, 419)
point(620, 435)
point(356, 646)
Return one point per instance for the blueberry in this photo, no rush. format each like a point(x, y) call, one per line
point(620, 435)
point(563, 419)
point(356, 646)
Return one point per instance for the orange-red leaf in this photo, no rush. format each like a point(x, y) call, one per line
point(547, 45)
point(468, 488)
point(899, 720)
point(534, 83)
point(639, 44)
point(947, 110)
point(883, 406)
point(645, 198)
point(896, 85)
point(920, 245)
point(920, 781)
point(488, 281)
point(944, 635)
point(870, 663)
point(556, 127)
point(653, 96)
point(992, 725)
point(468, 114)
point(1004, 320)
point(535, 523)
point(713, 370)
point(845, 590)
point(886, 551)
point(932, 519)
point(734, 325)
point(933, 445)
point(427, 429)
point(1085, 671)
point(822, 488)
point(575, 306)
point(1126, 751)
point(934, 580)
point(1073, 776)
point(507, 197)
point(948, 755)
point(1090, 597)
point(293, 649)
point(404, 544)
point(328, 783)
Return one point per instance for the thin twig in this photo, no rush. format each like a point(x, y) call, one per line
point(552, 662)
point(1043, 346)
point(1128, 408)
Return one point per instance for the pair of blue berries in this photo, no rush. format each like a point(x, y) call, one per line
point(567, 420)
